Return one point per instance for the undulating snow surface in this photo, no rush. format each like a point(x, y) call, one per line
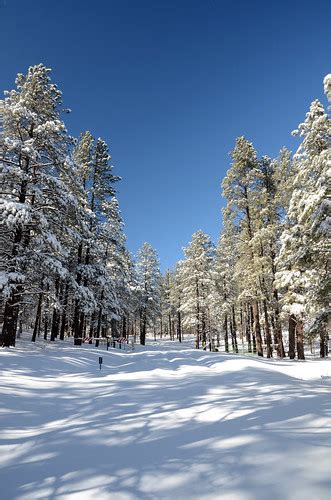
point(162, 422)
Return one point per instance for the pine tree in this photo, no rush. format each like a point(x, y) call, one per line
point(148, 281)
point(36, 172)
point(197, 282)
point(240, 190)
point(304, 254)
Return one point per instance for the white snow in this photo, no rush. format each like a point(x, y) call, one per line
point(162, 422)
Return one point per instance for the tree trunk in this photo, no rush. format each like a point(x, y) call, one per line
point(278, 328)
point(252, 328)
point(226, 334)
point(300, 339)
point(124, 327)
point(76, 322)
point(291, 336)
point(179, 326)
point(234, 331)
point(248, 329)
point(267, 329)
point(257, 328)
point(12, 305)
point(10, 321)
point(98, 329)
point(38, 318)
point(322, 343)
point(143, 324)
point(64, 312)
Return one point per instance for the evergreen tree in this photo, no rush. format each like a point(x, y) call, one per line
point(304, 254)
point(148, 281)
point(197, 282)
point(35, 176)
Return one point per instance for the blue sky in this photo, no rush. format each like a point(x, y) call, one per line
point(170, 85)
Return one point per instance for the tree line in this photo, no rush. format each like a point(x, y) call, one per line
point(65, 269)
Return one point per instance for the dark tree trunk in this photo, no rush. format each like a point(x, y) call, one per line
point(56, 316)
point(46, 326)
point(179, 326)
point(203, 329)
point(291, 336)
point(143, 325)
point(300, 339)
point(326, 344)
point(234, 331)
point(10, 321)
point(64, 312)
point(278, 328)
point(38, 318)
point(98, 329)
point(257, 328)
point(76, 322)
point(11, 310)
point(267, 330)
point(124, 327)
point(322, 343)
point(252, 328)
point(248, 328)
point(197, 343)
point(226, 334)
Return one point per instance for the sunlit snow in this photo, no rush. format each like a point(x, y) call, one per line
point(162, 422)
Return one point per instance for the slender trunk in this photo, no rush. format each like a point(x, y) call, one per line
point(248, 329)
point(56, 315)
point(326, 343)
point(257, 328)
point(64, 312)
point(278, 328)
point(197, 344)
point(98, 329)
point(169, 326)
point(143, 324)
point(76, 323)
point(226, 333)
point(241, 333)
point(124, 327)
point(267, 329)
point(203, 328)
point(300, 340)
point(252, 328)
point(291, 336)
point(179, 326)
point(38, 318)
point(234, 331)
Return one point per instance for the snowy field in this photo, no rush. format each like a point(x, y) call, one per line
point(162, 422)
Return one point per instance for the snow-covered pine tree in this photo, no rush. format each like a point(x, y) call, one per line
point(304, 257)
point(93, 159)
point(176, 297)
point(168, 315)
point(240, 188)
point(35, 175)
point(225, 290)
point(148, 281)
point(197, 282)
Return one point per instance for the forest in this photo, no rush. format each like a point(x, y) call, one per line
point(65, 270)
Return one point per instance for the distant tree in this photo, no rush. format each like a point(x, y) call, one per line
point(197, 282)
point(148, 288)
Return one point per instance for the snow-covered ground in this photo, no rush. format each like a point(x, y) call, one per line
point(162, 422)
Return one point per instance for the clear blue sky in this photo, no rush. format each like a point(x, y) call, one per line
point(170, 85)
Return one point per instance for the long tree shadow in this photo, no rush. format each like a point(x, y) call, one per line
point(163, 432)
